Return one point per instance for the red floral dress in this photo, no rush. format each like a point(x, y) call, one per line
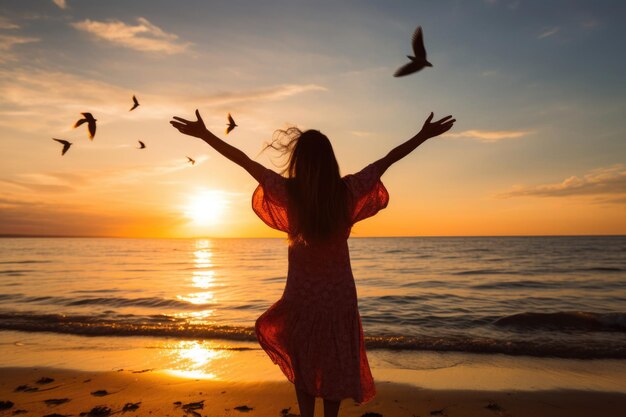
point(313, 332)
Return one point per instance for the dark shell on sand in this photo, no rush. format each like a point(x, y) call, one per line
point(493, 407)
point(99, 411)
point(5, 405)
point(56, 401)
point(26, 388)
point(194, 406)
point(131, 406)
point(244, 408)
point(45, 380)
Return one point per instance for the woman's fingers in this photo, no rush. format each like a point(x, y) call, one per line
point(198, 116)
point(180, 119)
point(443, 119)
point(178, 126)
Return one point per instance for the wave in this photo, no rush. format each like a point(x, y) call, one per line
point(15, 272)
point(538, 271)
point(28, 261)
point(150, 302)
point(565, 320)
point(484, 272)
point(167, 326)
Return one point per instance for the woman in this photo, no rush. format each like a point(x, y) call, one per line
point(314, 331)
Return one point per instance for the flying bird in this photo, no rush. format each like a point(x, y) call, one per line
point(66, 145)
point(193, 161)
point(141, 145)
point(231, 124)
point(135, 104)
point(91, 124)
point(419, 60)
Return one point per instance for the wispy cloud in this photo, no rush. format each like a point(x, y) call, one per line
point(144, 36)
point(489, 135)
point(605, 181)
point(66, 182)
point(7, 42)
point(61, 3)
point(6, 24)
point(361, 133)
point(270, 93)
point(29, 95)
point(548, 32)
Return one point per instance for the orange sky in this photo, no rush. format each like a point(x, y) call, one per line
point(537, 149)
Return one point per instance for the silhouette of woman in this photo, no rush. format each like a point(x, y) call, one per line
point(314, 331)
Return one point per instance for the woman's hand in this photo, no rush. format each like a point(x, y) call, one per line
point(430, 130)
point(190, 128)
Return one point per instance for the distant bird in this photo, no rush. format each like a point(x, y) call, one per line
point(419, 60)
point(66, 145)
point(193, 161)
point(141, 145)
point(91, 124)
point(231, 124)
point(135, 104)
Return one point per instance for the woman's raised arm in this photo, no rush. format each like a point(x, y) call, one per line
point(199, 130)
point(429, 130)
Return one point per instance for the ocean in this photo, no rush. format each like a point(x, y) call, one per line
point(562, 297)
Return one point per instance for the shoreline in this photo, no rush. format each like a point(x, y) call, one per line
point(156, 393)
point(246, 362)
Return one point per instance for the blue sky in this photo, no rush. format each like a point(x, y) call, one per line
point(537, 89)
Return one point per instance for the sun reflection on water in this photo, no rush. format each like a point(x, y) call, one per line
point(193, 359)
point(202, 277)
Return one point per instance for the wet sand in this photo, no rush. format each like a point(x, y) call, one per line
point(40, 391)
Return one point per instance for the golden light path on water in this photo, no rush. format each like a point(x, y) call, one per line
point(194, 359)
point(202, 276)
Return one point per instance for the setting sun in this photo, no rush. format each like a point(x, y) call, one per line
point(206, 207)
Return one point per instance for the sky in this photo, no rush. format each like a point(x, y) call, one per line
point(537, 88)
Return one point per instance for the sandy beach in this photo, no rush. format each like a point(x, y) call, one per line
point(49, 391)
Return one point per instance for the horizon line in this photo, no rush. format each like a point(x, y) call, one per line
point(26, 236)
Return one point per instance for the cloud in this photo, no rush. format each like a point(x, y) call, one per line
point(66, 182)
point(7, 42)
point(548, 32)
point(606, 181)
point(489, 135)
point(361, 133)
point(28, 95)
point(5, 24)
point(270, 93)
point(61, 3)
point(144, 36)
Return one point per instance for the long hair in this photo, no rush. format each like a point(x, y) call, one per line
point(318, 198)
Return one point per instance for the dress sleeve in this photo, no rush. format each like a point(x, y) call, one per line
point(369, 195)
point(269, 200)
